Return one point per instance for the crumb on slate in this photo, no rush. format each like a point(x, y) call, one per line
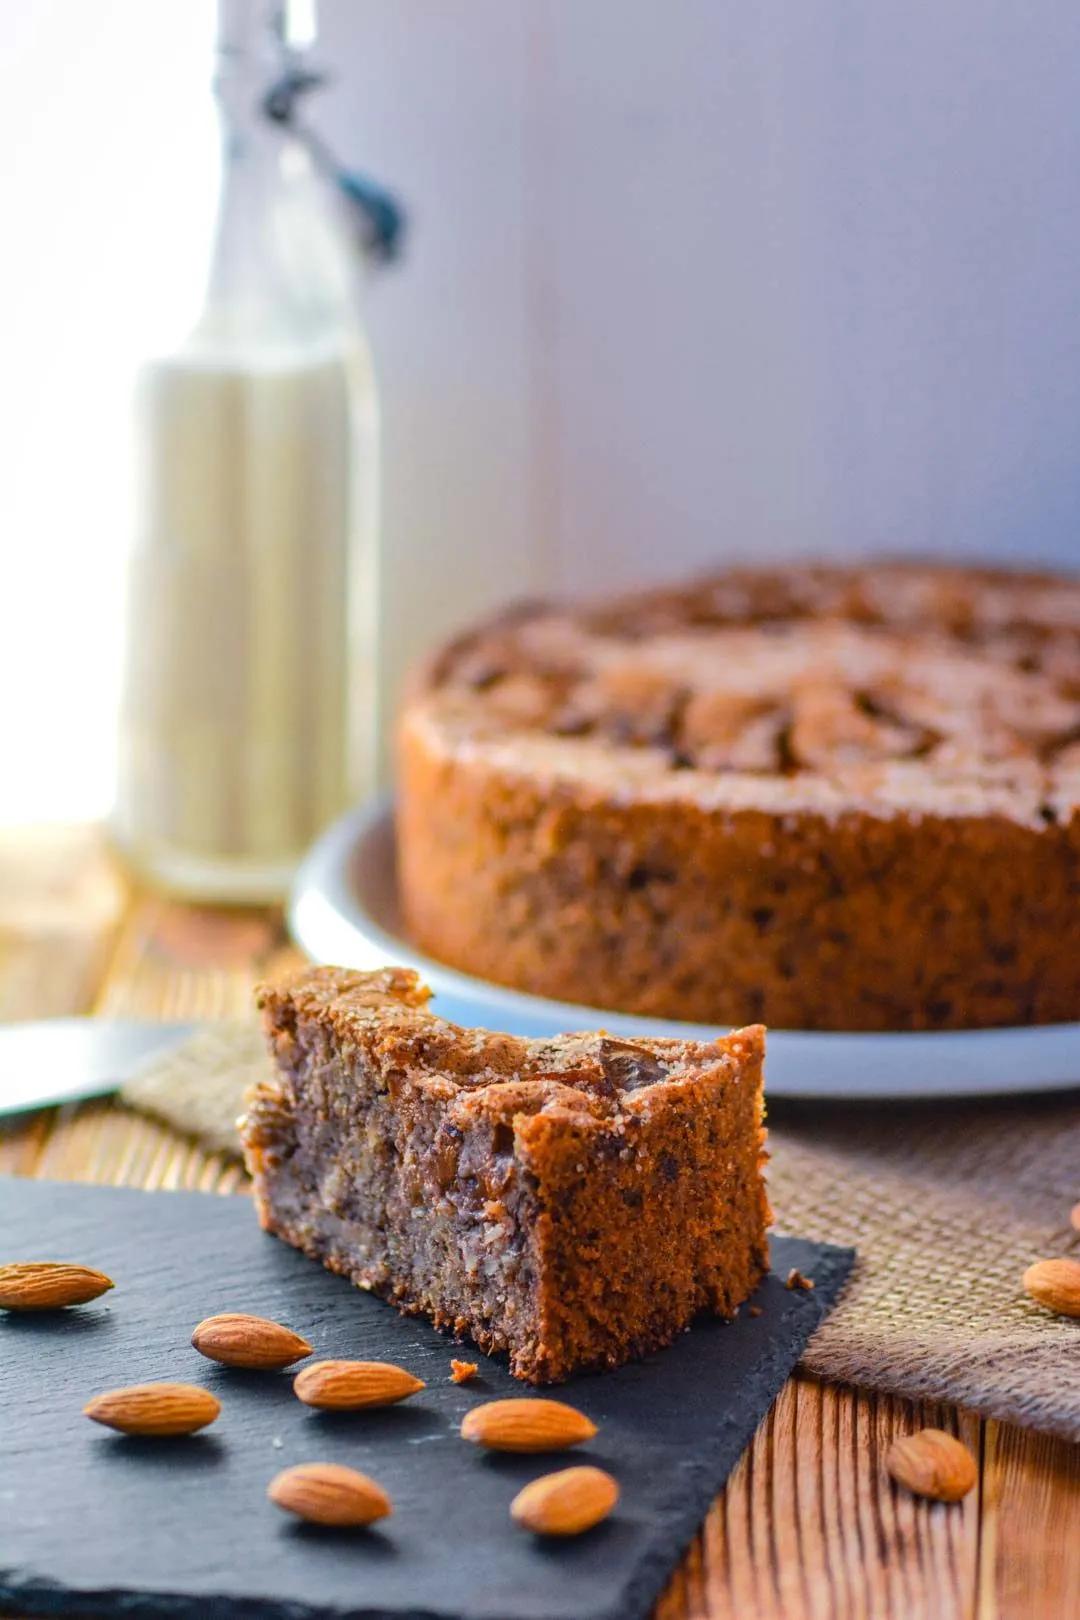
point(795, 1279)
point(462, 1371)
point(755, 1310)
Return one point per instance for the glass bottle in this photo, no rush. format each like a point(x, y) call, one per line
point(248, 708)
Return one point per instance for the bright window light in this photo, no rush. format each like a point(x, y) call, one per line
point(106, 177)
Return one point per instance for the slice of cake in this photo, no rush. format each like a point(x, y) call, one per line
point(574, 1202)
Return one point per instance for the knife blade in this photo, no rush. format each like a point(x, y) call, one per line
point(55, 1060)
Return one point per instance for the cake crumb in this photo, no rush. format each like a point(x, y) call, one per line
point(755, 1310)
point(795, 1279)
point(462, 1371)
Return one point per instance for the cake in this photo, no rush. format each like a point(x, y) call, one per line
point(573, 1202)
point(825, 798)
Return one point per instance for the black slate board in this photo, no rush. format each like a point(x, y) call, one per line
point(92, 1522)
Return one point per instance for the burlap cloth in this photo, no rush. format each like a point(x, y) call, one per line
point(946, 1206)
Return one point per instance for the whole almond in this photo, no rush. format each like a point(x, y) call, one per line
point(237, 1340)
point(932, 1463)
point(49, 1285)
point(349, 1386)
point(327, 1493)
point(528, 1424)
point(155, 1409)
point(566, 1503)
point(1055, 1284)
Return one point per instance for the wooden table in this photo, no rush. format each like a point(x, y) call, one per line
point(808, 1525)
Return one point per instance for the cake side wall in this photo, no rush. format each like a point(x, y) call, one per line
point(647, 1220)
point(857, 921)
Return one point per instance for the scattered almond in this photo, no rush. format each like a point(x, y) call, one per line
point(1055, 1284)
point(462, 1371)
point(932, 1463)
point(566, 1503)
point(1074, 1217)
point(49, 1285)
point(527, 1424)
point(327, 1493)
point(237, 1340)
point(348, 1386)
point(155, 1409)
point(795, 1279)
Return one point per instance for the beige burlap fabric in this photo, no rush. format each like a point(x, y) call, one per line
point(946, 1208)
point(198, 1086)
point(945, 1205)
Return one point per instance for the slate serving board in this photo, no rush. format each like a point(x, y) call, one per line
point(97, 1523)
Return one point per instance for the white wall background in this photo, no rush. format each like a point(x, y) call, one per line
point(685, 283)
point(715, 280)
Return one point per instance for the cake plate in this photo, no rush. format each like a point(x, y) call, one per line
point(344, 909)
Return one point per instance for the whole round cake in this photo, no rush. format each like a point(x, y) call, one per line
point(825, 798)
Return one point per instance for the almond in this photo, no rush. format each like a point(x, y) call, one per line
point(1074, 1217)
point(348, 1386)
point(526, 1425)
point(327, 1493)
point(155, 1409)
point(932, 1463)
point(566, 1503)
point(49, 1285)
point(237, 1340)
point(1055, 1284)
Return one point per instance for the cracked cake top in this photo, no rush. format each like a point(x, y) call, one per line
point(384, 1015)
point(904, 687)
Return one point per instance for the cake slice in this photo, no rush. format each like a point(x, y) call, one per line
point(574, 1202)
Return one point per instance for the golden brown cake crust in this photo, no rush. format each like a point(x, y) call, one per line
point(829, 798)
point(573, 1202)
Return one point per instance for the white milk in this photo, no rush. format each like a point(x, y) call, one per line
point(248, 689)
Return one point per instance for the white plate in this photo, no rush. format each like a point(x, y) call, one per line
point(344, 909)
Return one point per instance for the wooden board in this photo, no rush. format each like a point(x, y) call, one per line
point(809, 1527)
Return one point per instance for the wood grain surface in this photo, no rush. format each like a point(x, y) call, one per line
point(809, 1527)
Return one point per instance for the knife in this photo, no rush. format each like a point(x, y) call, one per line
point(56, 1060)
